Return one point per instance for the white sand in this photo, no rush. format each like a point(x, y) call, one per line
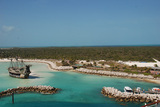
point(52, 66)
point(142, 64)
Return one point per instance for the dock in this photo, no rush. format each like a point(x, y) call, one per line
point(112, 92)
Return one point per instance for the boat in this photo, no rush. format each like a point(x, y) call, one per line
point(154, 104)
point(18, 69)
point(138, 89)
point(127, 89)
point(155, 89)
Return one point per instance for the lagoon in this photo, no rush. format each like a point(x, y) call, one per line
point(77, 89)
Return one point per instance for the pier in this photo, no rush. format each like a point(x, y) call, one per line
point(111, 92)
point(38, 89)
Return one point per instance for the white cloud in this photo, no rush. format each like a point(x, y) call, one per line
point(7, 28)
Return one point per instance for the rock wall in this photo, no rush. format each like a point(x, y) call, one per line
point(38, 89)
point(114, 73)
point(111, 92)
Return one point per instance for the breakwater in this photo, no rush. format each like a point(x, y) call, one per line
point(111, 92)
point(38, 89)
point(114, 73)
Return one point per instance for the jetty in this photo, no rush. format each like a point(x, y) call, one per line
point(114, 73)
point(112, 92)
point(38, 89)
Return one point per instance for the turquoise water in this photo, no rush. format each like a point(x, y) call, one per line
point(77, 89)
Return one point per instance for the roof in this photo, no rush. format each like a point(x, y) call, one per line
point(156, 68)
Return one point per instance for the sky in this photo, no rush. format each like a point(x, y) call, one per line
point(79, 22)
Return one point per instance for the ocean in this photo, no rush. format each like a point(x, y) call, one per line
point(80, 90)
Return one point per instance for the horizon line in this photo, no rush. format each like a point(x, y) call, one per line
point(151, 45)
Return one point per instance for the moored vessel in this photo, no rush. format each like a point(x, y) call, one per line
point(18, 69)
point(155, 89)
point(127, 89)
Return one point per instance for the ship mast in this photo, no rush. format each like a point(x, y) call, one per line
point(17, 62)
point(22, 63)
point(11, 63)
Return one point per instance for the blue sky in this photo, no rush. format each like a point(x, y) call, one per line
point(79, 22)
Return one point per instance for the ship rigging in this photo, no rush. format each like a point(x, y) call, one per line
point(18, 69)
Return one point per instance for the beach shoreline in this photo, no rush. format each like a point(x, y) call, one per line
point(157, 81)
point(53, 67)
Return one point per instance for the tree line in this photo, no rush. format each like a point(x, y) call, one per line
point(85, 53)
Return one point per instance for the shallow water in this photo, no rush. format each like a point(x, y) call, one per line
point(77, 89)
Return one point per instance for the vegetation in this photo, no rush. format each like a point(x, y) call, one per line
point(120, 67)
point(69, 55)
point(114, 66)
point(155, 65)
point(85, 53)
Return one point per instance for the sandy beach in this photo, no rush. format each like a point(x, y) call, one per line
point(52, 66)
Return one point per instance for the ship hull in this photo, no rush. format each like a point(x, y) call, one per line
point(19, 76)
point(17, 73)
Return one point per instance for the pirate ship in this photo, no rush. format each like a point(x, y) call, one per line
point(18, 69)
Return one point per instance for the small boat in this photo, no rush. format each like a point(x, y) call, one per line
point(127, 89)
point(155, 89)
point(138, 89)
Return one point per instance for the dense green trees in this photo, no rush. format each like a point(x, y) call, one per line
point(87, 53)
